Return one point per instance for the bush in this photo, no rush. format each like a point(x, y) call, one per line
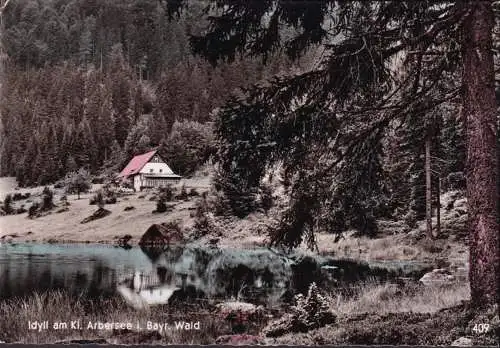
point(161, 207)
point(33, 210)
point(97, 199)
point(98, 180)
point(310, 312)
point(204, 223)
point(21, 210)
point(20, 196)
point(7, 204)
point(266, 197)
point(47, 199)
point(193, 193)
point(167, 193)
point(78, 182)
point(102, 197)
point(183, 195)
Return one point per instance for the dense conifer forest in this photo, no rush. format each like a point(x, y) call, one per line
point(91, 83)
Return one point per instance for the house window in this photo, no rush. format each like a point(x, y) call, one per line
point(161, 170)
point(151, 170)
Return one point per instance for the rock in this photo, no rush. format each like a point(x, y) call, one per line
point(439, 276)
point(123, 241)
point(460, 203)
point(462, 342)
point(238, 340)
point(241, 310)
point(162, 234)
point(98, 214)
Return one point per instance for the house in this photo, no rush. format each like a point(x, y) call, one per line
point(148, 171)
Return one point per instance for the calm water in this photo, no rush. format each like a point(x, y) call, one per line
point(152, 276)
point(143, 276)
point(91, 269)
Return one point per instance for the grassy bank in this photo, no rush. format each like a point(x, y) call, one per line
point(373, 313)
point(58, 306)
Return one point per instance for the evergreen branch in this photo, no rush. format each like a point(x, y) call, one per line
point(456, 16)
point(4, 6)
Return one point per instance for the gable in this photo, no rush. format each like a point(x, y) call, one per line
point(156, 159)
point(159, 168)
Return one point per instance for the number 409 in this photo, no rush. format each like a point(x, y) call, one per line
point(481, 328)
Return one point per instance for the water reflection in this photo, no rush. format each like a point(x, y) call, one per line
point(143, 277)
point(146, 277)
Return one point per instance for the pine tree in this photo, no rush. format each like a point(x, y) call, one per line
point(355, 90)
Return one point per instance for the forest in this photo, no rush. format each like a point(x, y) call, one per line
point(91, 83)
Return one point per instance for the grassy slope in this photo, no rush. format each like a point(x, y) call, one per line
point(66, 226)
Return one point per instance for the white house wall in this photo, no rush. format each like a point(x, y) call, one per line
point(137, 182)
point(165, 169)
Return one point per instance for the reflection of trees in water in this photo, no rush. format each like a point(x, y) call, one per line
point(21, 278)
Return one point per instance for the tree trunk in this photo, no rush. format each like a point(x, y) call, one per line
point(428, 187)
point(482, 167)
point(438, 208)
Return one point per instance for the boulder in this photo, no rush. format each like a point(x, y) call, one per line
point(439, 276)
point(462, 342)
point(241, 310)
point(98, 214)
point(162, 234)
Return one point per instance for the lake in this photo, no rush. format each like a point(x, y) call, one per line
point(152, 276)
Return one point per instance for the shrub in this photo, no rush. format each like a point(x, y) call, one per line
point(183, 195)
point(7, 204)
point(193, 193)
point(21, 210)
point(98, 180)
point(78, 182)
point(167, 193)
point(266, 197)
point(203, 219)
point(33, 210)
point(310, 312)
point(97, 199)
point(20, 196)
point(110, 200)
point(161, 207)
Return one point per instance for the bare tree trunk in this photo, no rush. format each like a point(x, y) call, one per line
point(438, 208)
point(482, 163)
point(428, 187)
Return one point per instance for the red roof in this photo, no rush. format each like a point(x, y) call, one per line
point(136, 164)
